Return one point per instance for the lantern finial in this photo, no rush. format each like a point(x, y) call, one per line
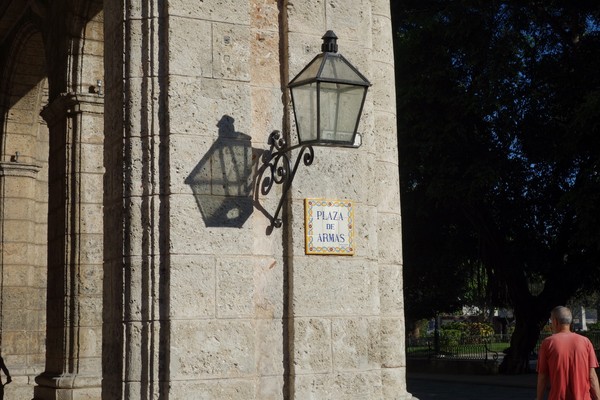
point(329, 42)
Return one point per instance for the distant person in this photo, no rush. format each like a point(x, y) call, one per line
point(566, 362)
point(8, 378)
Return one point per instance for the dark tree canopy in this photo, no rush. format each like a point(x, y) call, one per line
point(499, 142)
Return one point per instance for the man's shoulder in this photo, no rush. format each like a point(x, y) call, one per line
point(565, 336)
point(583, 338)
point(572, 337)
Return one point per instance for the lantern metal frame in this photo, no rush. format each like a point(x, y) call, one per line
point(328, 71)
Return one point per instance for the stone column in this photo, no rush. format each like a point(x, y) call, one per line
point(347, 336)
point(138, 257)
point(75, 243)
point(215, 304)
point(389, 233)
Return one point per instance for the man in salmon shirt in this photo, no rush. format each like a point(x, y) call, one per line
point(567, 362)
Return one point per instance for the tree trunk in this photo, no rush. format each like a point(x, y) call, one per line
point(522, 343)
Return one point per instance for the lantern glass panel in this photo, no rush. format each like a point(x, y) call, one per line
point(310, 72)
point(336, 68)
point(304, 99)
point(340, 108)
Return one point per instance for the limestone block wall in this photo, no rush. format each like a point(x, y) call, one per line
point(348, 326)
point(23, 274)
point(226, 277)
point(214, 301)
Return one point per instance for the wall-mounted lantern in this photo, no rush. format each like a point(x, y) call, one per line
point(327, 98)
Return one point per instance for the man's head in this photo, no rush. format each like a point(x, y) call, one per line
point(561, 317)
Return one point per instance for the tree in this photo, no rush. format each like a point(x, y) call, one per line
point(499, 144)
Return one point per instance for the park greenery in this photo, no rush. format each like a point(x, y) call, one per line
point(499, 146)
point(452, 333)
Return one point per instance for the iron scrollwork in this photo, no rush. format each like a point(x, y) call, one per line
point(277, 160)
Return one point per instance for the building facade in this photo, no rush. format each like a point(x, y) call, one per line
point(138, 259)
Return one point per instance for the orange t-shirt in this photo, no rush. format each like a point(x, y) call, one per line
point(566, 358)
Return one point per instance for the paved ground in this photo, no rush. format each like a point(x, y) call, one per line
point(472, 387)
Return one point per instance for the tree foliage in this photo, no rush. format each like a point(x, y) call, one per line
point(499, 142)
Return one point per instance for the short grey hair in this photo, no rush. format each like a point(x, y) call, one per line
point(562, 315)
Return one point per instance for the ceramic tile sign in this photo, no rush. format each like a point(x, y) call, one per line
point(329, 227)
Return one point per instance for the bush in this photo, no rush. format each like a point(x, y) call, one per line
point(594, 326)
point(471, 328)
point(455, 332)
point(480, 329)
point(450, 338)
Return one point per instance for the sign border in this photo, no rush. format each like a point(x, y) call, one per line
point(348, 250)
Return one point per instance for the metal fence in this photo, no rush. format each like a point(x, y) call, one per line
point(473, 347)
point(463, 348)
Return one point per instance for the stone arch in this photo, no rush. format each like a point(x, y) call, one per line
point(23, 95)
point(23, 202)
point(86, 47)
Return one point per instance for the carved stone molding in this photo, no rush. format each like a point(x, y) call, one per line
point(19, 169)
point(68, 104)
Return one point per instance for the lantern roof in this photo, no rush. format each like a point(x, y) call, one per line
point(329, 66)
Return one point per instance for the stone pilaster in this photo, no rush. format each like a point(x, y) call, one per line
point(75, 241)
point(145, 273)
point(22, 268)
point(389, 233)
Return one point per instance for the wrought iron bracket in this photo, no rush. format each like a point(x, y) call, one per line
point(278, 162)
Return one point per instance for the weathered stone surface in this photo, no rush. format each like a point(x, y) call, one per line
point(383, 95)
point(388, 194)
point(267, 114)
point(270, 388)
point(209, 349)
point(162, 276)
point(384, 42)
point(394, 384)
point(187, 219)
point(350, 19)
point(232, 11)
point(392, 353)
point(355, 344)
point(335, 174)
point(381, 7)
point(231, 52)
point(199, 105)
point(312, 346)
point(306, 16)
point(190, 57)
point(270, 349)
point(226, 389)
point(390, 284)
point(390, 245)
point(193, 282)
point(235, 288)
point(387, 148)
point(344, 386)
point(343, 286)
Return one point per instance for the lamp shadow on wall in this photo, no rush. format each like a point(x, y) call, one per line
point(223, 181)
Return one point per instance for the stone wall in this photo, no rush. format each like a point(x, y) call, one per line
point(178, 285)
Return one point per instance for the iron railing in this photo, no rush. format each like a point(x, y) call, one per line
point(463, 348)
point(473, 347)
